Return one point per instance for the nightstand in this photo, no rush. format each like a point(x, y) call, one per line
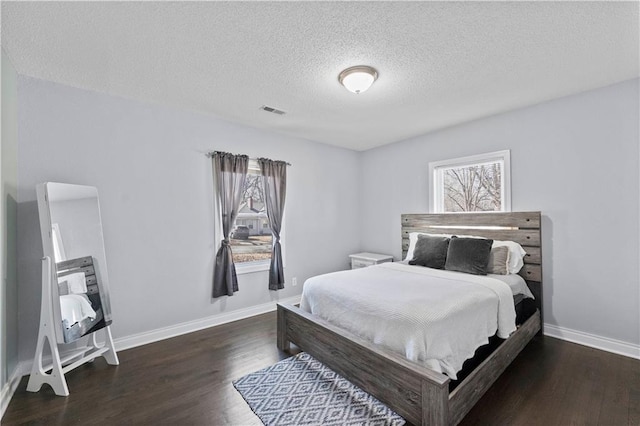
point(361, 260)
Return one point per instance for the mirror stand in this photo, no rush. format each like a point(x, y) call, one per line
point(53, 373)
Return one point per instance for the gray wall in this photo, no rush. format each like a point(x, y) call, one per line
point(8, 218)
point(576, 160)
point(155, 189)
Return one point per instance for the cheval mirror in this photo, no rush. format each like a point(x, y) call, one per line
point(75, 302)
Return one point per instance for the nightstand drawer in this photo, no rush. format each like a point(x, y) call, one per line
point(359, 263)
point(362, 260)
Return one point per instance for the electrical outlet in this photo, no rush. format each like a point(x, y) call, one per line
point(294, 281)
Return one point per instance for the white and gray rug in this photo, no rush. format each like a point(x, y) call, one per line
point(301, 391)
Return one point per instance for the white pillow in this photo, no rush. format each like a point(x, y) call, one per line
point(413, 238)
point(516, 252)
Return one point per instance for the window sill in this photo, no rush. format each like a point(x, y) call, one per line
point(251, 267)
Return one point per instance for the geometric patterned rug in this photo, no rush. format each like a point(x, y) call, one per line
point(301, 391)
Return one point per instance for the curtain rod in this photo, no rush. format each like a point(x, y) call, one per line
point(210, 154)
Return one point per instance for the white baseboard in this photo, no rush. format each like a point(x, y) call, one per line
point(200, 324)
point(10, 388)
point(598, 342)
point(24, 368)
point(579, 337)
point(145, 338)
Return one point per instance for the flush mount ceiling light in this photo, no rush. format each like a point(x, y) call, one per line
point(358, 79)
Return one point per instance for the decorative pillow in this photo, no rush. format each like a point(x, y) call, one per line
point(413, 239)
point(516, 253)
point(470, 255)
point(430, 251)
point(498, 261)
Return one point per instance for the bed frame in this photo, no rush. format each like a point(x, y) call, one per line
point(419, 394)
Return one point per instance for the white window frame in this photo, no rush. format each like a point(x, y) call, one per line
point(260, 265)
point(436, 168)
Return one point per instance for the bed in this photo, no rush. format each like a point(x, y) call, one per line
point(422, 395)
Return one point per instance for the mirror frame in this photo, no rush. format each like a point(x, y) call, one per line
point(100, 268)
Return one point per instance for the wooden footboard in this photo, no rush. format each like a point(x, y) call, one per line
point(404, 386)
point(418, 394)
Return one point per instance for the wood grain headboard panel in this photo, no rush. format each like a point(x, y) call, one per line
point(521, 227)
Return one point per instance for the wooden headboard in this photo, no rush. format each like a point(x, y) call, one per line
point(521, 227)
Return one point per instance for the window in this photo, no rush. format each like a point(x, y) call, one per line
point(479, 183)
point(250, 238)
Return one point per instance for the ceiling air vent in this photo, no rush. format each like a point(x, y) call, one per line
point(273, 110)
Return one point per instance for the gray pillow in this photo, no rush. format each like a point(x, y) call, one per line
point(498, 261)
point(430, 251)
point(470, 255)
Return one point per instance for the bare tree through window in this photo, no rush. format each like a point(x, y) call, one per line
point(479, 183)
point(252, 189)
point(473, 188)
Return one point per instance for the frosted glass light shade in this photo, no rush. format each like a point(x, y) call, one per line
point(358, 79)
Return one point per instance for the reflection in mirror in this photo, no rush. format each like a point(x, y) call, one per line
point(58, 247)
point(80, 263)
point(80, 305)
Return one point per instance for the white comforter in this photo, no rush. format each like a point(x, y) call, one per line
point(434, 317)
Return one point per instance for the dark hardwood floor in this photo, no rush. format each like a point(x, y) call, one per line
point(187, 381)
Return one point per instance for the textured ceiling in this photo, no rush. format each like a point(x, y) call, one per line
point(439, 63)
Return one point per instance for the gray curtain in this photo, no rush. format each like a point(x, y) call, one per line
point(274, 178)
point(229, 175)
